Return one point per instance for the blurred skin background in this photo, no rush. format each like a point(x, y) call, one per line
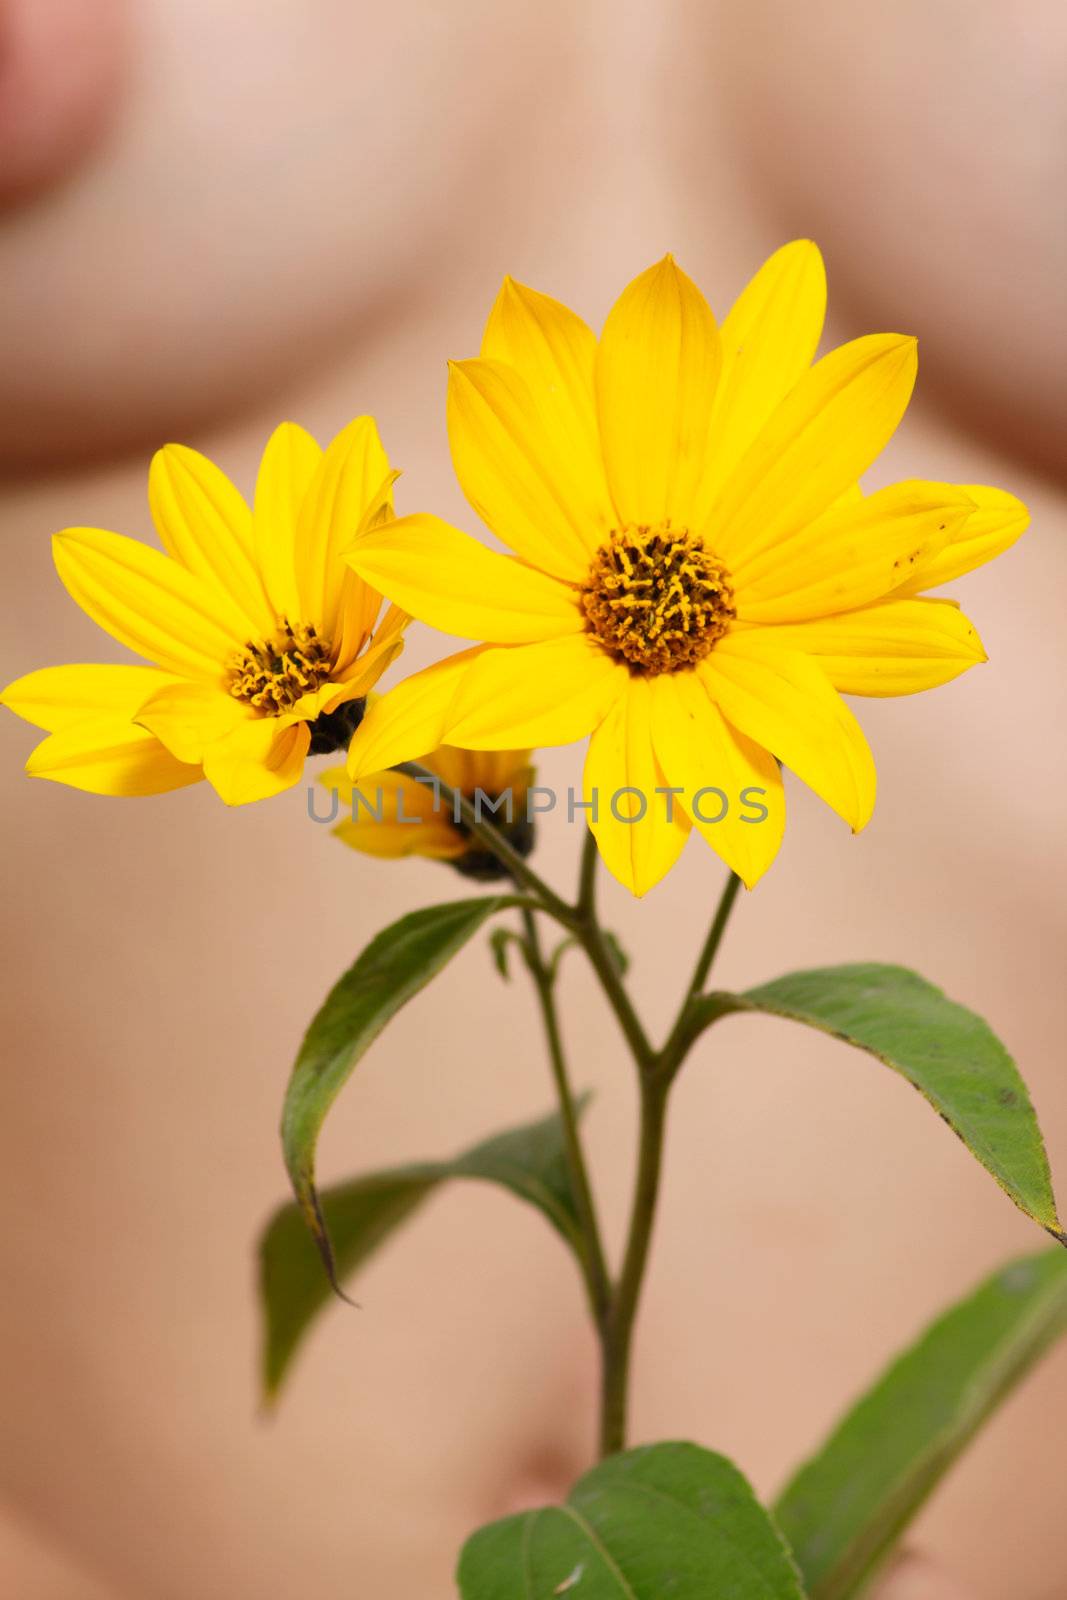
point(220, 213)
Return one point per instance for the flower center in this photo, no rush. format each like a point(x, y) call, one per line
point(273, 674)
point(655, 598)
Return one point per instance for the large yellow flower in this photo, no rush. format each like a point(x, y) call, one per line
point(696, 574)
point(264, 642)
point(395, 814)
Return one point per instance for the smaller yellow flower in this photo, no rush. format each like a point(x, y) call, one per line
point(264, 642)
point(392, 814)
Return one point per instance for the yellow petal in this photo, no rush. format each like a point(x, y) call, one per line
point(372, 665)
point(358, 608)
point(656, 370)
point(108, 755)
point(148, 601)
point(188, 718)
point(822, 437)
point(852, 554)
point(452, 582)
point(403, 724)
point(535, 694)
point(732, 788)
point(639, 832)
point(397, 839)
point(852, 496)
point(769, 340)
point(527, 470)
point(899, 647)
point(391, 627)
point(993, 526)
point(385, 645)
point(359, 603)
point(390, 814)
point(490, 770)
point(348, 484)
point(331, 696)
point(554, 353)
point(62, 697)
point(286, 471)
point(784, 701)
point(327, 697)
point(258, 759)
point(205, 524)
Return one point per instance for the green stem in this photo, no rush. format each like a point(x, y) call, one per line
point(594, 1266)
point(589, 933)
point(657, 1071)
point(714, 938)
point(587, 875)
point(674, 1051)
point(618, 1328)
point(458, 804)
point(614, 1306)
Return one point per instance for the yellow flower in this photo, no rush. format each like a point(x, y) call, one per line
point(265, 643)
point(393, 814)
point(696, 573)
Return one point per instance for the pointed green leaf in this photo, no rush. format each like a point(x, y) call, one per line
point(846, 1508)
point(531, 1161)
point(396, 964)
point(617, 953)
point(500, 941)
point(945, 1051)
point(667, 1520)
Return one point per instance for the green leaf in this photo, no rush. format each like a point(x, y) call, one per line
point(531, 1161)
point(617, 953)
point(667, 1520)
point(945, 1051)
point(399, 962)
point(499, 940)
point(845, 1509)
point(554, 960)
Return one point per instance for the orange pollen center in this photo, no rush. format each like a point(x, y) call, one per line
point(273, 674)
point(656, 598)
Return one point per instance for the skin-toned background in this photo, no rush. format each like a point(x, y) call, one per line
point(221, 213)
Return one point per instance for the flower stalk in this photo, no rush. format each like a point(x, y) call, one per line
point(617, 1330)
point(614, 1303)
point(594, 1265)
